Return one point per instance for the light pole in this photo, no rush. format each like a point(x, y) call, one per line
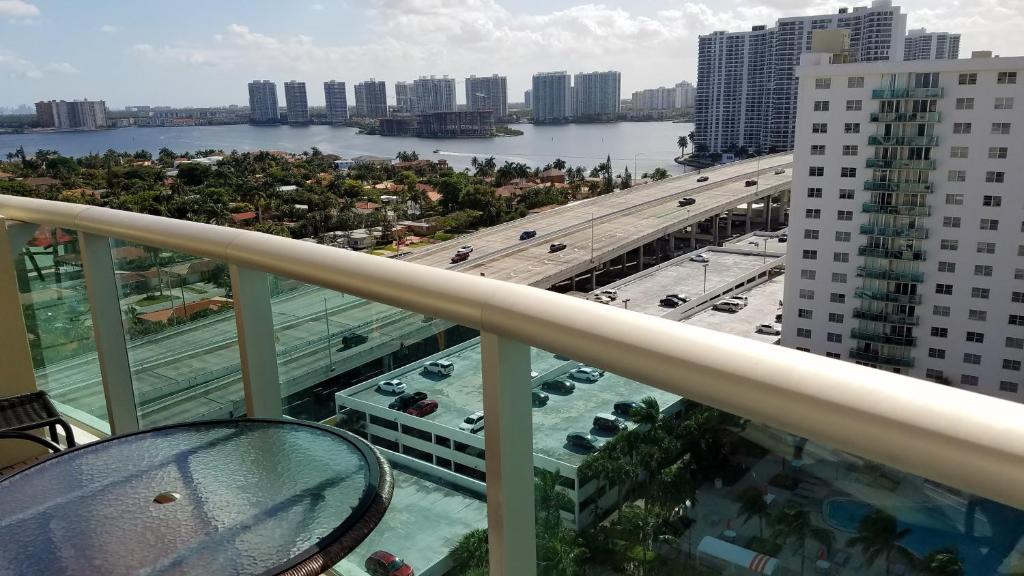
point(625, 303)
point(591, 236)
point(327, 320)
point(705, 278)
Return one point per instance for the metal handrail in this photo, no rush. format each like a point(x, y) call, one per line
point(963, 439)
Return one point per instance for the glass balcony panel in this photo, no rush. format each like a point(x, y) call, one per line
point(883, 296)
point(869, 335)
point(879, 140)
point(899, 209)
point(904, 93)
point(883, 359)
point(886, 317)
point(908, 187)
point(883, 273)
point(900, 164)
point(905, 117)
point(57, 316)
point(180, 329)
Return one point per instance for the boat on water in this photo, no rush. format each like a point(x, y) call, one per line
point(438, 151)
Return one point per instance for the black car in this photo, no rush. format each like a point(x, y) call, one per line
point(626, 407)
point(540, 398)
point(581, 440)
point(608, 423)
point(407, 400)
point(750, 183)
point(527, 234)
point(670, 302)
point(783, 239)
point(556, 247)
point(703, 178)
point(351, 340)
point(563, 386)
point(687, 202)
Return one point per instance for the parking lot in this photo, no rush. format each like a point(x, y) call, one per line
point(763, 306)
point(755, 242)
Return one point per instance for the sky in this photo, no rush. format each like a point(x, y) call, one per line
point(203, 54)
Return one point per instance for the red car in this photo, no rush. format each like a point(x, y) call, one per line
point(382, 563)
point(423, 408)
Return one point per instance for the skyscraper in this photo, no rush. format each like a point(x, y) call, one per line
point(404, 98)
point(596, 95)
point(75, 115)
point(746, 89)
point(906, 246)
point(660, 98)
point(921, 44)
point(336, 101)
point(488, 93)
point(263, 102)
point(686, 94)
point(528, 98)
point(434, 94)
point(295, 100)
point(551, 97)
point(371, 99)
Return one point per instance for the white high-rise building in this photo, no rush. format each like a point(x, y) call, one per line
point(906, 237)
point(686, 94)
point(746, 89)
point(263, 107)
point(295, 100)
point(406, 102)
point(654, 99)
point(596, 95)
point(74, 115)
point(336, 102)
point(551, 97)
point(371, 99)
point(920, 44)
point(488, 93)
point(434, 94)
point(528, 98)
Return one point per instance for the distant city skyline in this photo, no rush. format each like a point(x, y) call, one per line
point(178, 59)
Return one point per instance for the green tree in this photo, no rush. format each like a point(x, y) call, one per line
point(681, 143)
point(558, 164)
point(192, 174)
point(659, 174)
point(450, 189)
point(942, 562)
point(627, 179)
point(154, 254)
point(405, 156)
point(753, 505)
point(793, 524)
point(470, 554)
point(878, 535)
point(638, 525)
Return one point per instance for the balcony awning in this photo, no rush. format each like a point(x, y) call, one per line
point(755, 562)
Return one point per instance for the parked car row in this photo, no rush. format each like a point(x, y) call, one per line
point(732, 305)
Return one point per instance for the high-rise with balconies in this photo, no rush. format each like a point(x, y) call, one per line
point(906, 244)
point(488, 93)
point(371, 99)
point(434, 94)
point(920, 44)
point(336, 102)
point(295, 100)
point(404, 99)
point(263, 102)
point(596, 95)
point(551, 97)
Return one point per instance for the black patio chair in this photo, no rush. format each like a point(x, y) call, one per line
point(26, 412)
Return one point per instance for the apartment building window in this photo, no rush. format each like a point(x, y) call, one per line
point(854, 105)
point(937, 332)
point(950, 221)
point(810, 255)
point(817, 149)
point(996, 177)
point(970, 358)
point(814, 192)
point(834, 355)
point(842, 236)
point(989, 224)
point(956, 176)
point(1018, 273)
point(1011, 365)
point(1017, 343)
point(850, 149)
point(977, 292)
point(821, 105)
point(991, 200)
point(937, 353)
point(947, 244)
point(855, 82)
point(835, 318)
point(847, 172)
point(1005, 386)
point(819, 128)
point(965, 103)
point(816, 171)
point(968, 79)
point(986, 247)
point(977, 315)
point(811, 234)
point(934, 374)
point(946, 289)
point(842, 257)
point(958, 152)
point(806, 294)
point(955, 199)
point(806, 274)
point(1004, 103)
point(851, 128)
point(949, 267)
point(804, 313)
point(802, 349)
point(976, 337)
point(833, 337)
point(1016, 320)
point(839, 277)
point(1000, 127)
point(812, 213)
point(844, 215)
point(982, 270)
point(940, 310)
point(968, 380)
point(961, 128)
point(1020, 250)
point(846, 193)
point(803, 332)
point(837, 298)
point(1006, 78)
point(1017, 297)
point(822, 83)
point(997, 152)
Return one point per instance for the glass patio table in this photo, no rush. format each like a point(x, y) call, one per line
point(241, 497)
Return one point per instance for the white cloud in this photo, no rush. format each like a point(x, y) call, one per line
point(109, 28)
point(18, 9)
point(13, 65)
point(142, 47)
point(317, 7)
point(61, 68)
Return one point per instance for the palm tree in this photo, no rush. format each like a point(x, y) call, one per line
point(470, 553)
point(681, 143)
point(878, 534)
point(942, 562)
point(754, 505)
point(154, 253)
point(558, 164)
point(648, 414)
point(549, 499)
point(792, 523)
point(639, 525)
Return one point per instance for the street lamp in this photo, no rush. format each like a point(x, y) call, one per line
point(327, 320)
point(625, 303)
point(705, 278)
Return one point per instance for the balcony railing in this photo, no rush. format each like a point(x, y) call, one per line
point(877, 140)
point(886, 318)
point(905, 116)
point(892, 254)
point(905, 93)
point(907, 187)
point(883, 296)
point(898, 209)
point(882, 338)
point(894, 232)
point(887, 274)
point(901, 361)
point(900, 164)
point(838, 401)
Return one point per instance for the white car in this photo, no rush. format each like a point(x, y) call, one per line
point(602, 299)
point(700, 258)
point(467, 248)
point(768, 328)
point(780, 170)
point(586, 374)
point(444, 367)
point(392, 386)
point(610, 293)
point(473, 423)
point(741, 298)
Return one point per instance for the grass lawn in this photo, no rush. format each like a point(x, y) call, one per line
point(195, 290)
point(151, 300)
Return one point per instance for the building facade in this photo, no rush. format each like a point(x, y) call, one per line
point(336, 102)
point(488, 93)
point(406, 102)
point(746, 88)
point(434, 94)
point(263, 107)
point(906, 246)
point(655, 99)
point(921, 44)
point(528, 98)
point(295, 100)
point(597, 95)
point(74, 115)
point(551, 97)
point(686, 94)
point(371, 99)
